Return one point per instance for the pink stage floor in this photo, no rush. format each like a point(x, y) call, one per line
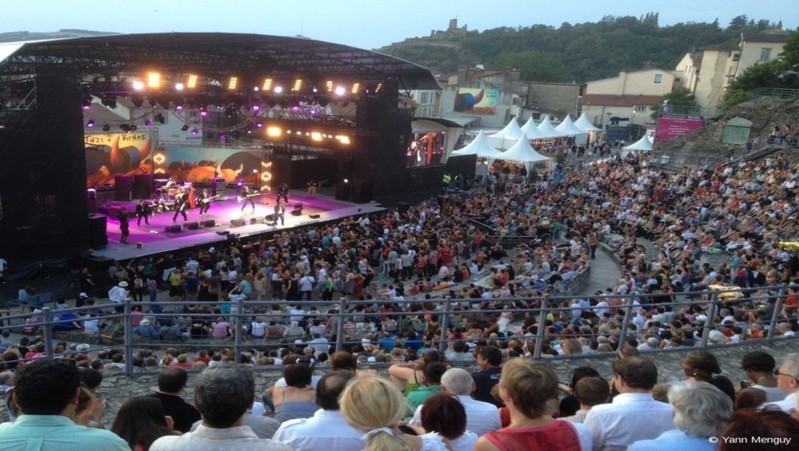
point(154, 239)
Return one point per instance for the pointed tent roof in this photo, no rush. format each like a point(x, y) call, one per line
point(585, 125)
point(567, 127)
point(531, 130)
point(547, 130)
point(522, 151)
point(509, 134)
point(643, 144)
point(479, 146)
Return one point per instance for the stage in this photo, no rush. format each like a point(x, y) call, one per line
point(156, 238)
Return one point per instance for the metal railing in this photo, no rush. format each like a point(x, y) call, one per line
point(352, 326)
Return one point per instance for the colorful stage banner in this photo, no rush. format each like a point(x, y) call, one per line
point(476, 100)
point(112, 154)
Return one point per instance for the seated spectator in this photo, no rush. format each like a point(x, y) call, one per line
point(701, 412)
point(141, 421)
point(589, 391)
point(776, 428)
point(146, 330)
point(222, 394)
point(171, 383)
point(297, 398)
point(432, 384)
point(46, 394)
point(788, 382)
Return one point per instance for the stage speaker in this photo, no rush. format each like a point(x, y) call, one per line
point(192, 225)
point(297, 210)
point(209, 223)
point(362, 191)
point(174, 228)
point(91, 200)
point(343, 191)
point(123, 187)
point(218, 186)
point(270, 218)
point(142, 186)
point(257, 220)
point(314, 216)
point(236, 223)
point(97, 231)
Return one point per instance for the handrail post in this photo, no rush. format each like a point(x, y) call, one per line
point(128, 340)
point(775, 316)
point(714, 296)
point(628, 313)
point(342, 304)
point(48, 331)
point(539, 336)
point(442, 341)
point(238, 329)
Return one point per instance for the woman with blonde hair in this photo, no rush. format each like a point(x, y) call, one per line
point(376, 406)
point(527, 388)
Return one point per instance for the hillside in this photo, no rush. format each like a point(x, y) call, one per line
point(571, 52)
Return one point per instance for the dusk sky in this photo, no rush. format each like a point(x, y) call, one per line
point(364, 24)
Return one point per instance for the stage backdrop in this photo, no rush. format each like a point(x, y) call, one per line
point(112, 154)
point(200, 164)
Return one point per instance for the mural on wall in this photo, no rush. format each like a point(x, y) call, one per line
point(201, 165)
point(476, 101)
point(112, 154)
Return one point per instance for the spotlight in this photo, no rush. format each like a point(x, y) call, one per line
point(233, 83)
point(355, 88)
point(133, 127)
point(106, 127)
point(90, 124)
point(109, 101)
point(297, 85)
point(179, 86)
point(184, 128)
point(340, 91)
point(278, 89)
point(153, 80)
point(267, 84)
point(138, 85)
point(148, 122)
point(274, 132)
point(194, 132)
point(159, 118)
point(259, 124)
point(86, 102)
point(124, 127)
point(191, 82)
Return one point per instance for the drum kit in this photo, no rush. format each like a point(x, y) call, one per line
point(166, 197)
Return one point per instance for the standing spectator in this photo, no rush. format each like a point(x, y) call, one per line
point(222, 394)
point(326, 429)
point(490, 360)
point(171, 383)
point(528, 389)
point(46, 394)
point(701, 412)
point(634, 414)
point(118, 294)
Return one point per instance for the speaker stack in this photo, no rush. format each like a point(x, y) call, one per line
point(97, 231)
point(123, 187)
point(209, 223)
point(236, 223)
point(192, 225)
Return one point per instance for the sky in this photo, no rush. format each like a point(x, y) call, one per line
point(360, 23)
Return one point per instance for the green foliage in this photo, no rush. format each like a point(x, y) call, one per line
point(734, 97)
point(573, 52)
point(790, 52)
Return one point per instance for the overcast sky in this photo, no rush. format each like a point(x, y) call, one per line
point(366, 24)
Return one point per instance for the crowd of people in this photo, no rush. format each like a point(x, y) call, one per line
point(336, 405)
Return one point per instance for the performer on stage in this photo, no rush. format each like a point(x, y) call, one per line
point(181, 204)
point(204, 202)
point(124, 226)
point(280, 213)
point(312, 185)
point(142, 211)
point(248, 194)
point(283, 191)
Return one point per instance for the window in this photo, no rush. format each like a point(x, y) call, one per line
point(425, 97)
point(765, 54)
point(736, 56)
point(658, 78)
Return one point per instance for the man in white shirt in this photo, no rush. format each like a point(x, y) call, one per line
point(118, 294)
point(788, 382)
point(305, 286)
point(634, 414)
point(326, 429)
point(481, 417)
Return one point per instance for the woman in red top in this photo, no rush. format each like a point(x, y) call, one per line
point(526, 387)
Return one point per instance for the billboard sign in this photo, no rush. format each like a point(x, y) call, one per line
point(671, 127)
point(476, 101)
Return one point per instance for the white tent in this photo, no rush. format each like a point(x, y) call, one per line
point(479, 146)
point(522, 151)
point(567, 127)
point(547, 130)
point(531, 130)
point(643, 144)
point(508, 135)
point(585, 125)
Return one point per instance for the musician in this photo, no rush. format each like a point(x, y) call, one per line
point(312, 185)
point(283, 191)
point(124, 226)
point(204, 202)
point(142, 212)
point(248, 194)
point(181, 204)
point(280, 213)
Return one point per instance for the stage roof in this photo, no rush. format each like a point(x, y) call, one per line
point(214, 54)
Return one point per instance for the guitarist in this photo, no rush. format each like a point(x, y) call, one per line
point(204, 202)
point(247, 194)
point(181, 204)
